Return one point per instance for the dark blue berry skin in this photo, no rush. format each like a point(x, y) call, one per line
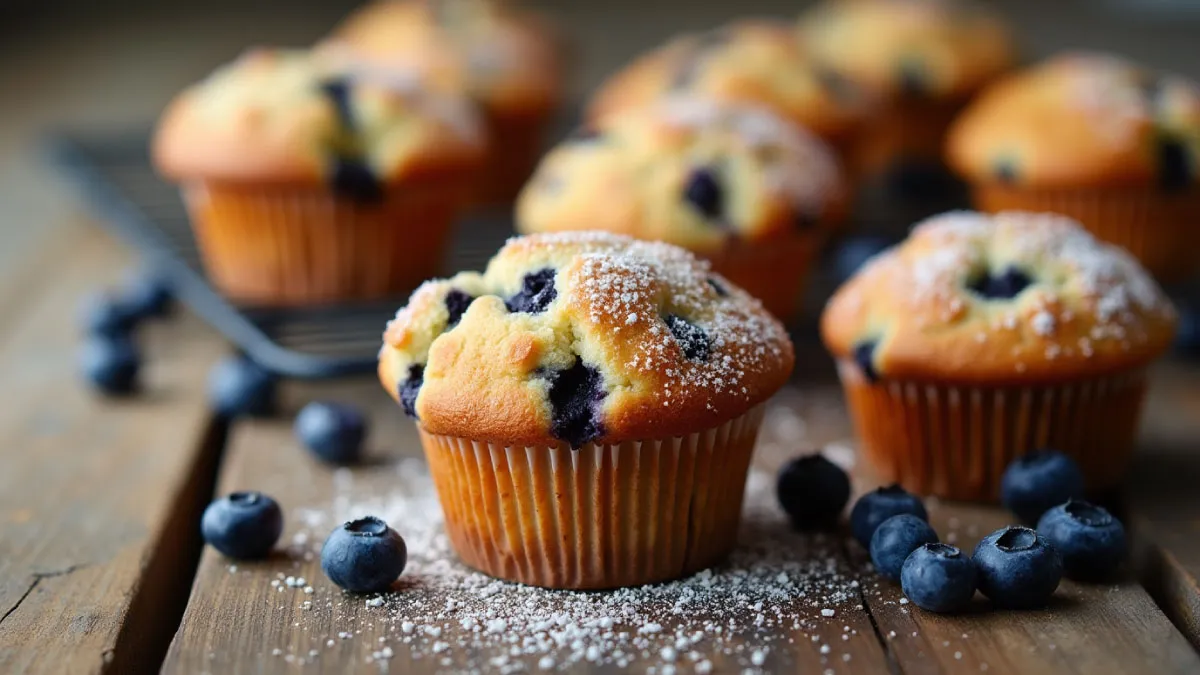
point(147, 294)
point(895, 539)
point(854, 252)
point(575, 395)
point(457, 303)
point(1038, 482)
point(364, 556)
point(693, 341)
point(1090, 540)
point(1018, 569)
point(813, 491)
point(238, 386)
point(243, 525)
point(106, 315)
point(864, 356)
point(536, 294)
point(410, 388)
point(333, 432)
point(704, 193)
point(939, 578)
point(1006, 285)
point(877, 506)
point(111, 364)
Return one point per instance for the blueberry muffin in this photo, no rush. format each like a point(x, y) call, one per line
point(923, 59)
point(981, 338)
point(507, 60)
point(588, 407)
point(755, 61)
point(310, 182)
point(1103, 140)
point(731, 182)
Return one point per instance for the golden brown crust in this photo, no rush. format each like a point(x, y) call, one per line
point(267, 118)
point(630, 175)
point(1077, 120)
point(490, 376)
point(508, 60)
point(941, 49)
point(1088, 310)
point(759, 61)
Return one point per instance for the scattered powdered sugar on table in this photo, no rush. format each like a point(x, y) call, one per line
point(777, 587)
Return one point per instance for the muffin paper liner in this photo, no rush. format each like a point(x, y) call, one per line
point(299, 246)
point(774, 271)
point(1158, 228)
point(602, 516)
point(956, 441)
point(515, 145)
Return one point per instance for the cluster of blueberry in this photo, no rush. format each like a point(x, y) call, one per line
point(1016, 567)
point(110, 359)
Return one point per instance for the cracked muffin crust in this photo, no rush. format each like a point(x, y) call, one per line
point(582, 337)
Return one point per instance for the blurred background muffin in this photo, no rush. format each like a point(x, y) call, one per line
point(732, 182)
point(1096, 137)
point(752, 61)
point(311, 182)
point(923, 59)
point(510, 61)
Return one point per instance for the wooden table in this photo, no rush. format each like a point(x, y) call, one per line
point(101, 564)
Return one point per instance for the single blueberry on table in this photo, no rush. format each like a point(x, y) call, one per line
point(813, 491)
point(242, 525)
point(364, 556)
point(1006, 285)
point(704, 192)
point(854, 252)
point(457, 303)
point(536, 294)
point(1018, 569)
point(864, 356)
point(1039, 481)
point(692, 339)
point(895, 539)
point(939, 578)
point(1090, 540)
point(332, 431)
point(107, 315)
point(410, 388)
point(877, 506)
point(238, 386)
point(111, 364)
point(147, 293)
point(575, 396)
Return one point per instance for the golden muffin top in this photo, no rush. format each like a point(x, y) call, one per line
point(290, 116)
point(1013, 298)
point(928, 48)
point(505, 58)
point(1081, 119)
point(699, 173)
point(756, 61)
point(582, 337)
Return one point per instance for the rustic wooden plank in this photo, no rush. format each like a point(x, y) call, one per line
point(238, 622)
point(91, 525)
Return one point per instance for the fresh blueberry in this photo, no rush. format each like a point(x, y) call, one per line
point(332, 431)
point(146, 293)
point(864, 356)
point(813, 491)
point(457, 303)
point(1004, 286)
point(1038, 482)
point(111, 364)
point(575, 396)
point(877, 506)
point(853, 253)
point(364, 555)
point(536, 294)
point(692, 339)
point(410, 388)
point(238, 386)
point(1187, 333)
point(703, 191)
point(1091, 542)
point(107, 315)
point(243, 525)
point(939, 578)
point(897, 537)
point(1017, 568)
